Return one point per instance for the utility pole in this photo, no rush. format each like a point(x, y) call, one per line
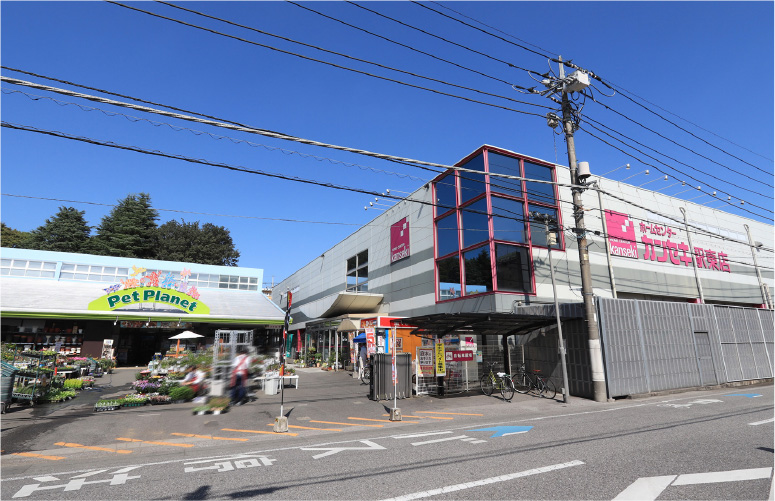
point(595, 351)
point(762, 287)
point(551, 240)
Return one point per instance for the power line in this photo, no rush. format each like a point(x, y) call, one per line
point(183, 211)
point(660, 170)
point(333, 64)
point(196, 132)
point(679, 144)
point(405, 46)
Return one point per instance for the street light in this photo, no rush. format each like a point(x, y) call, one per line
point(610, 171)
point(551, 239)
point(647, 182)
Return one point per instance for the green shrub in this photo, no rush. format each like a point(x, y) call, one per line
point(182, 393)
point(73, 384)
point(167, 386)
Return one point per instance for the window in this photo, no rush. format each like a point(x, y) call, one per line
point(472, 185)
point(446, 197)
point(22, 268)
point(449, 278)
point(478, 271)
point(358, 272)
point(447, 235)
point(493, 219)
point(475, 229)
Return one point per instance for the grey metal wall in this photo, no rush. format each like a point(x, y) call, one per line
point(382, 376)
point(653, 345)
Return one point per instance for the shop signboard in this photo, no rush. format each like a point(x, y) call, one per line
point(153, 288)
point(399, 240)
point(441, 362)
point(462, 356)
point(371, 345)
point(107, 348)
point(660, 244)
point(425, 362)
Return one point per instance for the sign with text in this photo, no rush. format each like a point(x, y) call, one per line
point(462, 356)
point(660, 244)
point(441, 362)
point(399, 240)
point(425, 361)
point(371, 345)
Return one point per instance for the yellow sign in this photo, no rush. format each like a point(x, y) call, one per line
point(441, 359)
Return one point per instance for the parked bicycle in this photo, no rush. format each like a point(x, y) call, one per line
point(497, 380)
point(366, 375)
point(526, 381)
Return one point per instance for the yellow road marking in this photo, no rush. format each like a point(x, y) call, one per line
point(348, 424)
point(154, 443)
point(209, 436)
point(79, 446)
point(423, 417)
point(33, 455)
point(259, 431)
point(381, 420)
point(307, 427)
point(450, 413)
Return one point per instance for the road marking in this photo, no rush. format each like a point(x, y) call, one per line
point(209, 437)
point(348, 424)
point(723, 476)
point(154, 443)
point(757, 423)
point(241, 461)
point(447, 439)
point(370, 446)
point(502, 431)
point(423, 434)
point(33, 455)
point(689, 404)
point(307, 427)
point(749, 395)
point(423, 417)
point(79, 446)
point(649, 488)
point(449, 413)
point(260, 431)
point(486, 481)
point(75, 483)
point(381, 420)
point(644, 489)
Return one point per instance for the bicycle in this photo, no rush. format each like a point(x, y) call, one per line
point(500, 381)
point(525, 381)
point(366, 375)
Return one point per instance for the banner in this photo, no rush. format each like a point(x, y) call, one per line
point(371, 345)
point(285, 333)
point(289, 345)
point(441, 362)
point(424, 361)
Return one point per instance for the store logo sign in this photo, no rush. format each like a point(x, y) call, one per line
point(621, 234)
point(152, 288)
point(399, 240)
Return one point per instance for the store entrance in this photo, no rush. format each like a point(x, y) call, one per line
point(136, 347)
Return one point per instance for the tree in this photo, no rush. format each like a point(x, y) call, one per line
point(210, 244)
point(65, 231)
point(10, 237)
point(129, 230)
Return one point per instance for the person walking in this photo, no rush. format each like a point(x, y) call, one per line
point(239, 376)
point(362, 360)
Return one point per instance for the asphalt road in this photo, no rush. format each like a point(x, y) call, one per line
point(714, 444)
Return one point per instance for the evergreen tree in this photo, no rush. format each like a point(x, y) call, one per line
point(129, 230)
point(66, 231)
point(210, 244)
point(10, 237)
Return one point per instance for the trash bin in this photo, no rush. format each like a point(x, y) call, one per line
point(6, 385)
point(271, 386)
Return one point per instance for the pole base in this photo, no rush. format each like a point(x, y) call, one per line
point(280, 424)
point(395, 414)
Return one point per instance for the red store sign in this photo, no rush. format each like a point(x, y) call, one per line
point(462, 356)
point(657, 245)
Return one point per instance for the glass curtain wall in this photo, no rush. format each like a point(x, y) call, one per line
point(484, 236)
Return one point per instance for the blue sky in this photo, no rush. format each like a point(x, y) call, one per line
point(706, 62)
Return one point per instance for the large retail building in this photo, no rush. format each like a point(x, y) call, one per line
point(89, 305)
point(682, 291)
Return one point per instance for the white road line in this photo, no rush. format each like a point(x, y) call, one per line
point(762, 422)
point(486, 481)
point(440, 440)
point(645, 489)
point(723, 476)
point(423, 434)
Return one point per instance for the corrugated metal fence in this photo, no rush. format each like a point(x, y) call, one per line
point(654, 345)
point(382, 376)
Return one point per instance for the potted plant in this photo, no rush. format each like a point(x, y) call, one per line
point(218, 405)
point(134, 401)
point(181, 394)
point(159, 399)
point(107, 405)
point(200, 409)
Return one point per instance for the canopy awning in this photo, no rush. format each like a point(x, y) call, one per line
point(347, 325)
point(523, 320)
point(360, 338)
point(352, 302)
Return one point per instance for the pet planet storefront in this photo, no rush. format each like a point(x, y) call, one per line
point(89, 305)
